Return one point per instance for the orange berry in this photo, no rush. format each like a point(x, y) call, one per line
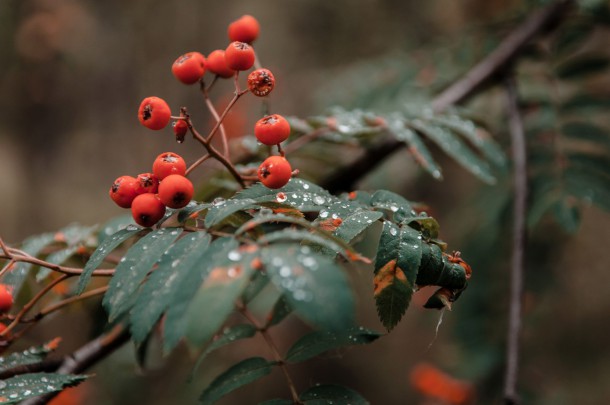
point(175, 191)
point(6, 298)
point(180, 127)
point(189, 68)
point(147, 183)
point(239, 56)
point(147, 209)
point(168, 163)
point(244, 29)
point(123, 191)
point(154, 113)
point(272, 129)
point(275, 172)
point(261, 82)
point(217, 64)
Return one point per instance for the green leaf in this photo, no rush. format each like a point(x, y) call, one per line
point(133, 267)
point(223, 209)
point(113, 226)
point(415, 145)
point(32, 355)
point(298, 193)
point(454, 147)
point(585, 103)
point(568, 216)
point(280, 310)
point(314, 285)
point(103, 250)
point(332, 394)
point(242, 373)
point(163, 284)
point(588, 132)
point(356, 223)
point(592, 188)
point(24, 386)
point(257, 283)
point(228, 336)
point(176, 321)
point(32, 246)
point(74, 233)
point(569, 38)
point(396, 266)
point(478, 138)
point(582, 66)
point(316, 236)
point(428, 226)
point(216, 299)
point(397, 204)
point(58, 257)
point(318, 342)
point(190, 209)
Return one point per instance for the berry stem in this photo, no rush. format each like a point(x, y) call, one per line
point(5, 248)
point(33, 302)
point(212, 109)
point(19, 256)
point(58, 305)
point(197, 163)
point(238, 93)
point(274, 350)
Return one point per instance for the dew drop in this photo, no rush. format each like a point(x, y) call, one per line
point(393, 231)
point(319, 200)
point(234, 255)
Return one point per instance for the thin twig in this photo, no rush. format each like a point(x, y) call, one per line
point(60, 304)
point(5, 248)
point(519, 155)
point(212, 110)
point(197, 163)
point(55, 267)
point(85, 357)
point(274, 350)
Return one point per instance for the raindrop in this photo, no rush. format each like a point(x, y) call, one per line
point(393, 231)
point(234, 255)
point(319, 200)
point(393, 208)
point(281, 197)
point(218, 202)
point(2, 384)
point(323, 214)
point(306, 186)
point(285, 271)
point(175, 263)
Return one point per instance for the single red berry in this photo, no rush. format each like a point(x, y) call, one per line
point(180, 128)
point(154, 113)
point(175, 191)
point(239, 56)
point(275, 172)
point(123, 191)
point(244, 29)
point(168, 163)
point(147, 209)
point(6, 298)
point(261, 82)
point(217, 64)
point(272, 129)
point(189, 68)
point(147, 183)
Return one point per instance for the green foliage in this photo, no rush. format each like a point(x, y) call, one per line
point(335, 394)
point(22, 387)
point(29, 356)
point(32, 246)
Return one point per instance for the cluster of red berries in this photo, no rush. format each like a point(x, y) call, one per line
point(149, 194)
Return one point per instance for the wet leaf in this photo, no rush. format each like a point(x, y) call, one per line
point(32, 246)
point(332, 394)
point(24, 386)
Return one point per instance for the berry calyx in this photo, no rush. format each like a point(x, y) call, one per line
point(123, 191)
point(154, 113)
point(272, 129)
point(217, 64)
point(244, 29)
point(6, 298)
point(147, 183)
point(147, 209)
point(180, 127)
point(239, 56)
point(168, 163)
point(275, 172)
point(261, 82)
point(189, 68)
point(176, 191)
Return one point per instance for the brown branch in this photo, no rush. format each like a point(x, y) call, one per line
point(74, 271)
point(212, 110)
point(85, 357)
point(60, 304)
point(519, 242)
point(471, 83)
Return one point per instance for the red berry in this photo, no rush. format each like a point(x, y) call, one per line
point(244, 29)
point(180, 127)
point(217, 64)
point(272, 129)
point(147, 209)
point(6, 298)
point(274, 172)
point(168, 163)
point(175, 191)
point(189, 68)
point(123, 191)
point(154, 113)
point(261, 82)
point(239, 56)
point(147, 183)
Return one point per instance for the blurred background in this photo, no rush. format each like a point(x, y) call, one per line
point(72, 74)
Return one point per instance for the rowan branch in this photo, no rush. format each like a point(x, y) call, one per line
point(470, 84)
